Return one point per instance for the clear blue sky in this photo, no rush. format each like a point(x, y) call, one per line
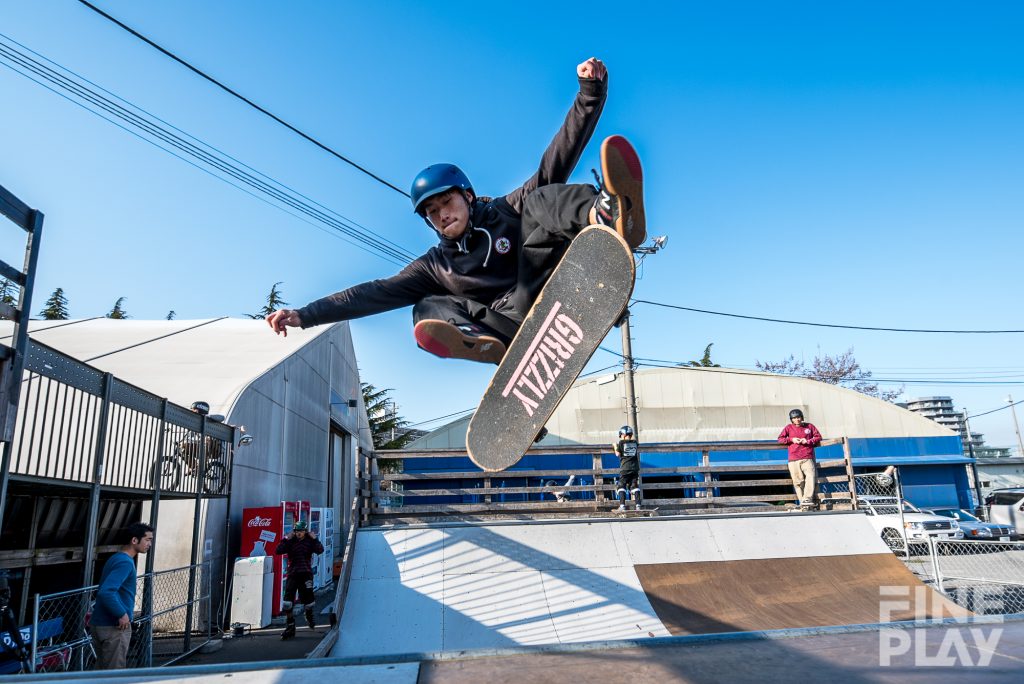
point(856, 164)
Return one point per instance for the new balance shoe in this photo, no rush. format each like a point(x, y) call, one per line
point(620, 202)
point(451, 341)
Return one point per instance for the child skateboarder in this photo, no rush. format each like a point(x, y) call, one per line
point(628, 452)
point(471, 291)
point(300, 546)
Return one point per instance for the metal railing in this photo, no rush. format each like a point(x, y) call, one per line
point(77, 424)
point(704, 488)
point(172, 620)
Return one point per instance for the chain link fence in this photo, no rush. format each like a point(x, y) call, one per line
point(173, 619)
point(986, 577)
point(881, 495)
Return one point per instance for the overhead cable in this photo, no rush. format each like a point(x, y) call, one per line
point(828, 325)
point(148, 127)
point(244, 99)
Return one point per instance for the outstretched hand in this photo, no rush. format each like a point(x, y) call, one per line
point(592, 68)
point(282, 319)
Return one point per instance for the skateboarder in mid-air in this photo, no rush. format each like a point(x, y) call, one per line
point(471, 291)
point(300, 546)
point(628, 452)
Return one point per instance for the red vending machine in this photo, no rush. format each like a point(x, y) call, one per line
point(263, 528)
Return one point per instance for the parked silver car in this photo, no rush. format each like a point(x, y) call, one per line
point(974, 528)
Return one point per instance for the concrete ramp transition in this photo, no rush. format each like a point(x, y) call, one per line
point(452, 587)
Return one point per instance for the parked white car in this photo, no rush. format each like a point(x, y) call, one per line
point(915, 526)
point(1006, 507)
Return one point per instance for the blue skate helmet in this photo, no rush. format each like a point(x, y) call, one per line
point(626, 430)
point(434, 180)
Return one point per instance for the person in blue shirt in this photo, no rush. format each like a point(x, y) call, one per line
point(115, 598)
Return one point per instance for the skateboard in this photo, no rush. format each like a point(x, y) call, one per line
point(583, 299)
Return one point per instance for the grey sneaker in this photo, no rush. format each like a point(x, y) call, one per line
point(620, 202)
point(621, 507)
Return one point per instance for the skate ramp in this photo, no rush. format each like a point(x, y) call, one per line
point(464, 586)
point(783, 593)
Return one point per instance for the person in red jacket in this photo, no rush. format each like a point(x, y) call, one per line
point(802, 438)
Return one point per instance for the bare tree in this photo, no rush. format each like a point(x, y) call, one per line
point(842, 369)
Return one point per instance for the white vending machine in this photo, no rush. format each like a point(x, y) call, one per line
point(321, 521)
point(252, 591)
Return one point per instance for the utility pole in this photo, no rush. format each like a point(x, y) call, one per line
point(654, 247)
point(973, 465)
point(627, 371)
point(1016, 426)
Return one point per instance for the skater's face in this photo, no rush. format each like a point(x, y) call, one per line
point(144, 544)
point(448, 213)
point(796, 420)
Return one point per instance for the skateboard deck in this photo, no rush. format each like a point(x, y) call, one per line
point(585, 296)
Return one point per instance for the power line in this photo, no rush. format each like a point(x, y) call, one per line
point(661, 363)
point(1001, 408)
point(244, 99)
point(827, 325)
point(150, 131)
point(434, 420)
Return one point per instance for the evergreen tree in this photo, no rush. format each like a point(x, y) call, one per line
point(56, 307)
point(274, 302)
point(8, 291)
point(705, 361)
point(117, 311)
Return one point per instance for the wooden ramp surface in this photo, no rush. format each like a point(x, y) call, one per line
point(780, 593)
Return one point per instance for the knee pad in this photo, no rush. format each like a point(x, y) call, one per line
point(635, 491)
point(620, 490)
point(288, 606)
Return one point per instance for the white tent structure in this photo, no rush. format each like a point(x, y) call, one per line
point(687, 404)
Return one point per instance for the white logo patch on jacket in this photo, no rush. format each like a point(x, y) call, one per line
point(502, 246)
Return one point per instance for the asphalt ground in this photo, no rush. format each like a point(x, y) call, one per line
point(265, 644)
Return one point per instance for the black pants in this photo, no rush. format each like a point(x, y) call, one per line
point(629, 481)
point(301, 582)
point(553, 215)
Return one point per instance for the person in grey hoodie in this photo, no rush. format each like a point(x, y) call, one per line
point(472, 290)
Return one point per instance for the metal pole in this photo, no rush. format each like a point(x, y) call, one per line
point(1016, 426)
point(89, 554)
point(973, 466)
point(35, 634)
point(189, 612)
point(627, 370)
point(154, 512)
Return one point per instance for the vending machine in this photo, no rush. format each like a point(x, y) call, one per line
point(321, 522)
point(263, 528)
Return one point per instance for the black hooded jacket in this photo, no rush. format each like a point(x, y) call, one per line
point(481, 265)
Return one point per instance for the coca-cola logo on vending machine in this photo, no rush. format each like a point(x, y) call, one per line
point(259, 522)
